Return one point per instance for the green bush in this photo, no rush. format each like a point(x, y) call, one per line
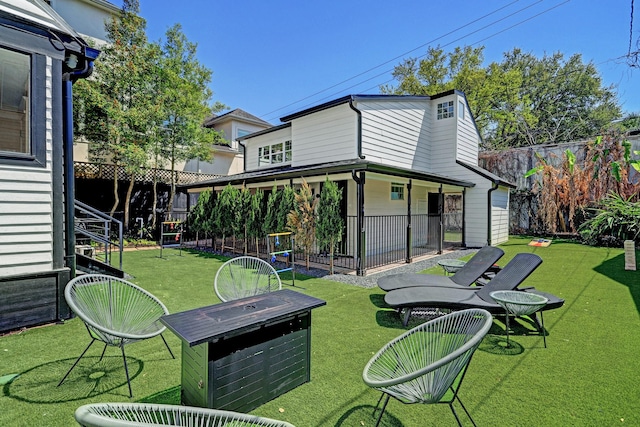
point(615, 220)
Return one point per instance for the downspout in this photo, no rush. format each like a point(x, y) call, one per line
point(409, 247)
point(441, 220)
point(359, 129)
point(244, 156)
point(69, 177)
point(493, 188)
point(361, 238)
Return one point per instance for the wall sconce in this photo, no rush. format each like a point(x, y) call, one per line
point(71, 61)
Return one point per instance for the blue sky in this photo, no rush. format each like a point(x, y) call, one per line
point(272, 58)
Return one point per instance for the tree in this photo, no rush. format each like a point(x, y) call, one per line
point(329, 224)
point(270, 224)
point(522, 100)
point(574, 185)
point(242, 214)
point(255, 218)
point(118, 109)
point(184, 97)
point(302, 219)
point(199, 216)
point(225, 213)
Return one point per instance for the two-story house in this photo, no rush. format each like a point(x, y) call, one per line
point(396, 158)
point(40, 58)
point(228, 157)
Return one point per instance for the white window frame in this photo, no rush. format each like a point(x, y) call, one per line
point(461, 110)
point(278, 153)
point(445, 110)
point(397, 191)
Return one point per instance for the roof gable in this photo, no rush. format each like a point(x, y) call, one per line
point(238, 115)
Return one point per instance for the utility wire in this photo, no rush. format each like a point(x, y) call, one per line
point(408, 52)
point(333, 95)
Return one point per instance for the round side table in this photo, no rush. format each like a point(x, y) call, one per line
point(450, 266)
point(519, 303)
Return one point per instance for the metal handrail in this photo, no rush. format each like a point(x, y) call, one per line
point(97, 227)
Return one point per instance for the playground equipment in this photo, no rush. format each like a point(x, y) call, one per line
point(171, 235)
point(282, 244)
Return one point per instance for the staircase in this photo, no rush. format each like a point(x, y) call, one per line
point(99, 241)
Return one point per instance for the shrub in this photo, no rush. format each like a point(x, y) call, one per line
point(615, 219)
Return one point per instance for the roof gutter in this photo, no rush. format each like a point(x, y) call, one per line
point(359, 130)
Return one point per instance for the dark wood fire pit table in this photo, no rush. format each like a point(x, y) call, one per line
point(240, 354)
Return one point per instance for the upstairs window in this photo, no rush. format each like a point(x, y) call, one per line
point(397, 191)
point(461, 109)
point(274, 153)
point(15, 88)
point(445, 110)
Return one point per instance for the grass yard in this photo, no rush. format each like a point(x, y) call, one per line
point(586, 377)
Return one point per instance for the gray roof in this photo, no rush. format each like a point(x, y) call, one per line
point(237, 114)
point(289, 172)
point(486, 174)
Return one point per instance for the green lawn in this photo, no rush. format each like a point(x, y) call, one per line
point(588, 375)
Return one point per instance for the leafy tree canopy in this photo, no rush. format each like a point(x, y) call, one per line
point(522, 100)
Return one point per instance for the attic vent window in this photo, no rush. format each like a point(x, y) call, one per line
point(445, 110)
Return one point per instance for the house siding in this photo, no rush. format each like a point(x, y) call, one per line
point(443, 139)
point(468, 139)
point(26, 206)
point(326, 136)
point(499, 216)
point(396, 133)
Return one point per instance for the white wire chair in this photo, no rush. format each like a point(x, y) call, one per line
point(146, 414)
point(245, 276)
point(115, 312)
point(422, 364)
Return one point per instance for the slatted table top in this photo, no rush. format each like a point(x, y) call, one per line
point(225, 320)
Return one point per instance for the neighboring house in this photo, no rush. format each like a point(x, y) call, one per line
point(88, 18)
point(397, 159)
point(40, 57)
point(228, 159)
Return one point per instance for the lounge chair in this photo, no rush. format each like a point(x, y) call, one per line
point(478, 265)
point(423, 364)
point(509, 278)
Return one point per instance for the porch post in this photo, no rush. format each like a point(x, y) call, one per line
point(441, 219)
point(464, 217)
point(361, 252)
point(409, 233)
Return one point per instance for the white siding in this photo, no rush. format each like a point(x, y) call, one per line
point(468, 138)
point(500, 216)
point(26, 222)
point(396, 133)
point(443, 139)
point(326, 136)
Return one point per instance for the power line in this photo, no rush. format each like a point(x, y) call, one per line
point(408, 52)
point(334, 94)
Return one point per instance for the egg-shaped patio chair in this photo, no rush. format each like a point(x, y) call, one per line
point(422, 364)
point(145, 414)
point(245, 276)
point(115, 312)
